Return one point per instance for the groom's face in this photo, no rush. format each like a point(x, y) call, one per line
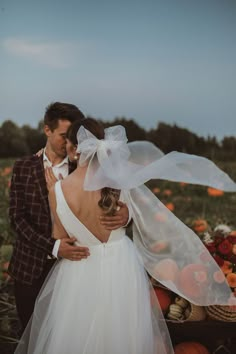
point(57, 138)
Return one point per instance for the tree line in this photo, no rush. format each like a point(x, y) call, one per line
point(18, 141)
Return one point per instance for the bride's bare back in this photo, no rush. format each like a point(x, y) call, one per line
point(83, 204)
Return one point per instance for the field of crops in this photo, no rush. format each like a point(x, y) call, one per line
point(188, 202)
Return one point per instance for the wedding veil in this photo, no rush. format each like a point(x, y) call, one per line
point(171, 252)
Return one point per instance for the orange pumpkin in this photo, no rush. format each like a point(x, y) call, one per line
point(161, 217)
point(156, 190)
point(6, 171)
point(164, 298)
point(214, 192)
point(219, 277)
point(166, 269)
point(200, 225)
point(170, 206)
point(193, 280)
point(190, 348)
point(167, 192)
point(159, 246)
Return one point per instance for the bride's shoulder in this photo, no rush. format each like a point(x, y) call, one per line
point(76, 177)
point(72, 184)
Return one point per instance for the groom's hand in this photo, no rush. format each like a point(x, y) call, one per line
point(120, 218)
point(68, 250)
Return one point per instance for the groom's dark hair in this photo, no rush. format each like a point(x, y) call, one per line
point(61, 111)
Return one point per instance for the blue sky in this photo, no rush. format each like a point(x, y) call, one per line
point(152, 60)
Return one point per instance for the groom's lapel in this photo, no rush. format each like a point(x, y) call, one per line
point(41, 181)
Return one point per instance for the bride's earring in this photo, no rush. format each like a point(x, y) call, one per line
point(76, 156)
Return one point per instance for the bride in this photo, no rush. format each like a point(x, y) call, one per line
point(104, 304)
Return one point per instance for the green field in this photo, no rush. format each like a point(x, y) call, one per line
point(188, 202)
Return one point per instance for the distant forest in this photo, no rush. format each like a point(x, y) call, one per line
point(19, 141)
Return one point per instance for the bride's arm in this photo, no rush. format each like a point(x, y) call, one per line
point(58, 230)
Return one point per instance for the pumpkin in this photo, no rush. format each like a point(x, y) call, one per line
point(164, 297)
point(190, 348)
point(156, 190)
point(166, 269)
point(6, 171)
point(200, 225)
point(170, 206)
point(214, 192)
point(159, 246)
point(193, 280)
point(219, 277)
point(167, 192)
point(161, 217)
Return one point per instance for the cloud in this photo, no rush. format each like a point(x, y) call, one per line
point(56, 55)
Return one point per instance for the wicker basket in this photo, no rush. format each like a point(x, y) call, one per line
point(221, 313)
point(197, 313)
point(190, 312)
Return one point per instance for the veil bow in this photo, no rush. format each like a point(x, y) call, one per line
point(171, 252)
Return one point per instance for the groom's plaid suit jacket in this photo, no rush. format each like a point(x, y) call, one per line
point(30, 217)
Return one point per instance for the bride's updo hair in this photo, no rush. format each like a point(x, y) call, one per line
point(90, 124)
point(109, 196)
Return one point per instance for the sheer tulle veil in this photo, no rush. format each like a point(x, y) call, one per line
point(184, 265)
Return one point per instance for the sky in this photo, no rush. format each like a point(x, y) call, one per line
point(171, 61)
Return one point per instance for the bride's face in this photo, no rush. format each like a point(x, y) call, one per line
point(71, 150)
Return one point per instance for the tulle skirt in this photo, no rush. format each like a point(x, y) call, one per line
point(100, 305)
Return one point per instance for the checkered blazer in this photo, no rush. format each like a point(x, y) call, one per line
point(30, 218)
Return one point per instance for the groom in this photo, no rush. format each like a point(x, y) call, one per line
point(35, 251)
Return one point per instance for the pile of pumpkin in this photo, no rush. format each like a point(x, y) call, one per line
point(176, 308)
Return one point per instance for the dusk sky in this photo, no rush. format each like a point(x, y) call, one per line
point(153, 60)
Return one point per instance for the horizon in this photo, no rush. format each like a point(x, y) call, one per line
point(138, 124)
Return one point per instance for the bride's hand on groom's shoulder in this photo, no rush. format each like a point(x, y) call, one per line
point(120, 218)
point(69, 250)
point(50, 177)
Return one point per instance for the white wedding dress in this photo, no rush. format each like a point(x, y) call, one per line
point(99, 305)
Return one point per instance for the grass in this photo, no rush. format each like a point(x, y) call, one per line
point(188, 202)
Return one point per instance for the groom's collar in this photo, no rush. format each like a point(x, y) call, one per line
point(49, 163)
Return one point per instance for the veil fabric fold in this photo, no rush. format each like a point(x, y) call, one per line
point(171, 252)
